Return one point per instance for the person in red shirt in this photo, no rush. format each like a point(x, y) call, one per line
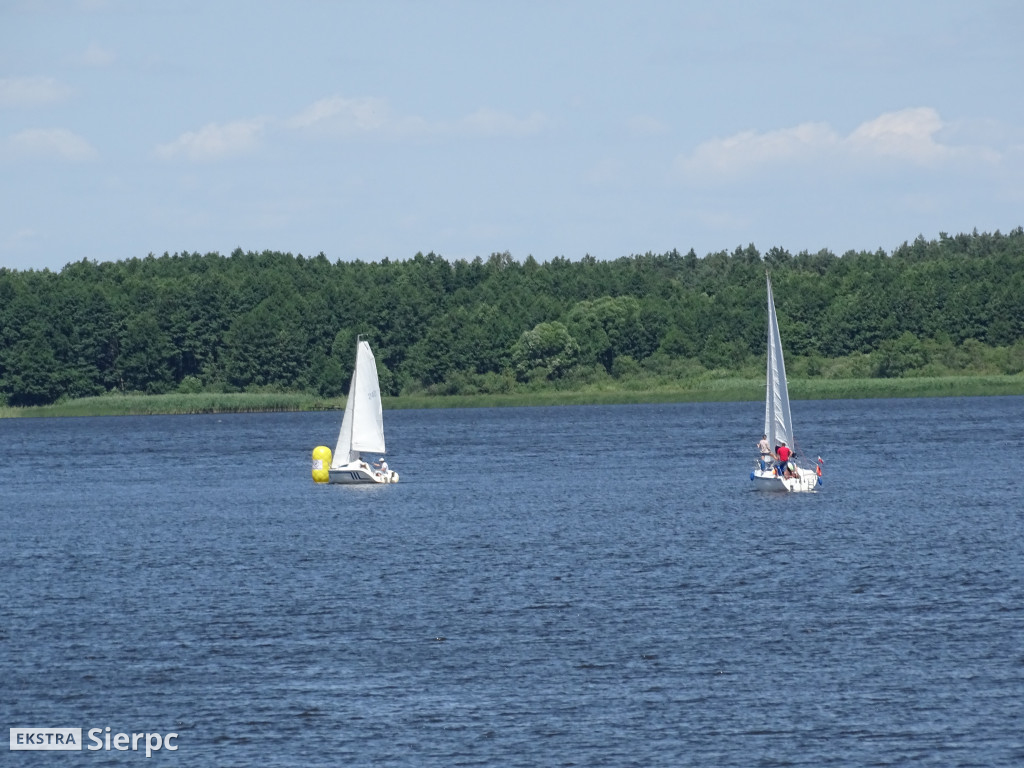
point(784, 454)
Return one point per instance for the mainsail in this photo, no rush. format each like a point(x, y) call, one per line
point(778, 423)
point(362, 427)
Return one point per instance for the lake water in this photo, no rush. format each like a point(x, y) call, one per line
point(586, 586)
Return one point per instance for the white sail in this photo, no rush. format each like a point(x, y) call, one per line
point(362, 427)
point(343, 450)
point(778, 423)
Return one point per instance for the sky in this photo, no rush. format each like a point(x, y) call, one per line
point(553, 128)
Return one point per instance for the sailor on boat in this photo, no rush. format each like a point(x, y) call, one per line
point(766, 452)
point(785, 467)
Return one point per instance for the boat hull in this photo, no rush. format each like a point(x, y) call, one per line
point(768, 480)
point(360, 473)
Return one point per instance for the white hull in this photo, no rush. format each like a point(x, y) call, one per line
point(768, 480)
point(361, 473)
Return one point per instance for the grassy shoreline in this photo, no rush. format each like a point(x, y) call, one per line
point(714, 390)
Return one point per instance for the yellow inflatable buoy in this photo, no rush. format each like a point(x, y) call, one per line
point(321, 464)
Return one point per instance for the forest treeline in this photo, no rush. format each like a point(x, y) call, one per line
point(272, 321)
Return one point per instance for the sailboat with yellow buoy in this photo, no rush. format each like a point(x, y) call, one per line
point(362, 431)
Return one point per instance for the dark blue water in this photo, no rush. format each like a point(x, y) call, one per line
point(587, 586)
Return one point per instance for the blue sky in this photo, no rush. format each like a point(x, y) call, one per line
point(378, 129)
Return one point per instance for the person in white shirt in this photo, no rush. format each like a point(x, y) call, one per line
point(766, 452)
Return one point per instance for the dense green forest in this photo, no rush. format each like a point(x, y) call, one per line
point(274, 322)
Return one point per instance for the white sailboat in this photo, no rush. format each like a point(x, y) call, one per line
point(773, 475)
point(362, 429)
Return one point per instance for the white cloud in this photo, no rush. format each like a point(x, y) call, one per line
point(18, 239)
point(910, 136)
point(605, 171)
point(96, 56)
point(749, 150)
point(716, 220)
point(49, 143)
point(644, 125)
point(338, 115)
point(490, 122)
point(31, 91)
point(215, 141)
